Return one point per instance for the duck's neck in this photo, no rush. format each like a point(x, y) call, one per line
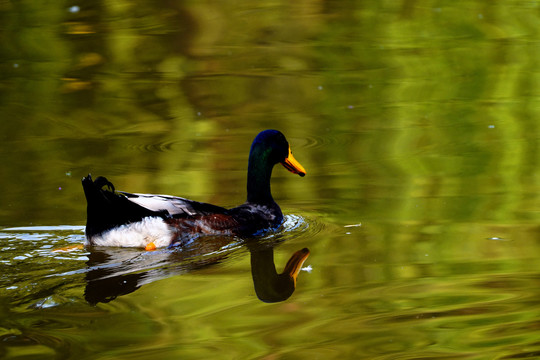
point(258, 177)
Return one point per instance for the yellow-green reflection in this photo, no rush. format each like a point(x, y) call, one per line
point(114, 272)
point(416, 119)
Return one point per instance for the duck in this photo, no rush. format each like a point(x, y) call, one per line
point(123, 219)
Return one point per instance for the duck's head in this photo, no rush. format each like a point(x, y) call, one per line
point(271, 147)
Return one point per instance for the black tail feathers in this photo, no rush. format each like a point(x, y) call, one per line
point(101, 182)
point(107, 209)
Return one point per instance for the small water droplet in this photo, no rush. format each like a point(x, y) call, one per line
point(320, 87)
point(74, 9)
point(496, 238)
point(491, 126)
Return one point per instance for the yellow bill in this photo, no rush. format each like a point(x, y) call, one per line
point(292, 165)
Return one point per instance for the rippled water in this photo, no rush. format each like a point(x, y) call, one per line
point(417, 123)
point(383, 303)
point(60, 293)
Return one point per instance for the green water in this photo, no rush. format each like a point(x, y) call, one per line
point(417, 123)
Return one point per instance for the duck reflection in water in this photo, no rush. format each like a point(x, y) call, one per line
point(113, 272)
point(269, 285)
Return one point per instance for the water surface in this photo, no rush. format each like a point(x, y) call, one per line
point(416, 123)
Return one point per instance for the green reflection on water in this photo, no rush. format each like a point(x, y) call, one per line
point(416, 121)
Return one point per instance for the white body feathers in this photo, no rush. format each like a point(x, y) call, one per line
point(138, 234)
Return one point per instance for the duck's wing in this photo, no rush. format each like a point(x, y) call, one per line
point(108, 208)
point(176, 206)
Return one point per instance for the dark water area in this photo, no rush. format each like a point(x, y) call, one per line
point(417, 123)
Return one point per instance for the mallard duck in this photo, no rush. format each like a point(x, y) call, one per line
point(118, 218)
